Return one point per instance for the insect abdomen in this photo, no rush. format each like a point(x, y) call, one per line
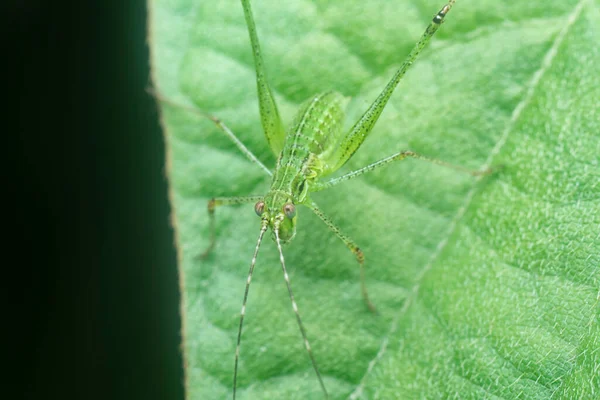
point(315, 129)
point(318, 123)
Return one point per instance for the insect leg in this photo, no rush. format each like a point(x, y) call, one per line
point(359, 132)
point(394, 157)
point(232, 136)
point(269, 115)
point(353, 248)
point(223, 201)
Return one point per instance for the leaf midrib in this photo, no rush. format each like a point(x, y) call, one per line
point(534, 82)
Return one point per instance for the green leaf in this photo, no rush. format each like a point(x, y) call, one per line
point(487, 288)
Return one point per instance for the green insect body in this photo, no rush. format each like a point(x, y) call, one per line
point(312, 148)
point(305, 157)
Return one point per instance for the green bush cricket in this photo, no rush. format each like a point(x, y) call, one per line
point(313, 147)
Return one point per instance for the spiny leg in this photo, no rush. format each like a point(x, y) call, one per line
point(363, 127)
point(243, 312)
point(394, 157)
point(269, 115)
point(228, 132)
point(353, 248)
point(223, 201)
point(295, 307)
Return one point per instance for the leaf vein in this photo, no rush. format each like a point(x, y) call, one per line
point(531, 87)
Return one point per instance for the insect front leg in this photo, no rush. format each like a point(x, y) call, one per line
point(360, 257)
point(394, 157)
point(223, 201)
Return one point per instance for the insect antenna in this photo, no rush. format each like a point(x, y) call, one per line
point(263, 229)
point(295, 307)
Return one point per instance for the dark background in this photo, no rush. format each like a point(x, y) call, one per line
point(92, 302)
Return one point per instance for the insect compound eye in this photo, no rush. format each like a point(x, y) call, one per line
point(259, 208)
point(289, 210)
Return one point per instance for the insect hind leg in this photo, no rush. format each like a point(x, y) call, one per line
point(351, 142)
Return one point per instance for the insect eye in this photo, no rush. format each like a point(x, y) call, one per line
point(289, 210)
point(259, 208)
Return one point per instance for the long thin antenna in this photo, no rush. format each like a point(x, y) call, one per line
point(239, 337)
point(295, 307)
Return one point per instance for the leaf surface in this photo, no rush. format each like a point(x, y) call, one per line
point(487, 288)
